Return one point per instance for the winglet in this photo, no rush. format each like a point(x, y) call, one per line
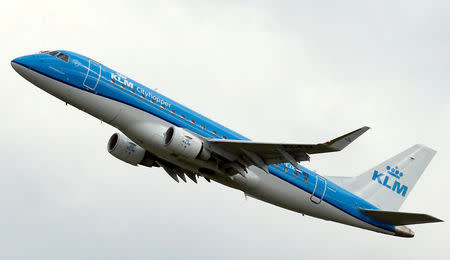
point(342, 141)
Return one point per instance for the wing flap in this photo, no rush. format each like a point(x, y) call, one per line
point(399, 218)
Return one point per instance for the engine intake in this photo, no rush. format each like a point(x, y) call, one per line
point(124, 149)
point(185, 144)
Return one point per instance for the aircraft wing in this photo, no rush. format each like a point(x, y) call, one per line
point(262, 154)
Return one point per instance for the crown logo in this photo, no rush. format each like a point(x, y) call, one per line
point(394, 171)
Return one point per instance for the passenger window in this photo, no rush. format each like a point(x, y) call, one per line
point(193, 121)
point(214, 133)
point(172, 111)
point(63, 57)
point(132, 91)
point(224, 137)
point(153, 101)
point(203, 127)
point(183, 117)
point(53, 53)
point(163, 106)
point(143, 96)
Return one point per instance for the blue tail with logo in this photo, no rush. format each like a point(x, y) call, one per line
point(388, 184)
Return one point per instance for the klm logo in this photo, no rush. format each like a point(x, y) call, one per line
point(391, 180)
point(131, 147)
point(186, 142)
point(121, 80)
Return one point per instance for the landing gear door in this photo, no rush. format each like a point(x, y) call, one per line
point(319, 190)
point(92, 75)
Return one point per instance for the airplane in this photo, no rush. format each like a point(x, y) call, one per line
point(155, 131)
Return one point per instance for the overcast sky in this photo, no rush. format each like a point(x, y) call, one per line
point(295, 71)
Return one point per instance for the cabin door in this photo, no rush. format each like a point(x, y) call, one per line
point(319, 190)
point(92, 75)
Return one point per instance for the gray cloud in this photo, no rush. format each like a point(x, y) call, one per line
point(289, 71)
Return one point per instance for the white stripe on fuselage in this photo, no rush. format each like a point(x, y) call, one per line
point(132, 121)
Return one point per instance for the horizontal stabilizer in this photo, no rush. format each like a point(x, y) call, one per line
point(399, 218)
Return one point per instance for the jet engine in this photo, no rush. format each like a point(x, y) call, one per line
point(185, 144)
point(126, 150)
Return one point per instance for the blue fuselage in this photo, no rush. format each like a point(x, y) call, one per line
point(90, 76)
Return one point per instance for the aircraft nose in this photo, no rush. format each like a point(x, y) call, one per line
point(21, 64)
point(26, 61)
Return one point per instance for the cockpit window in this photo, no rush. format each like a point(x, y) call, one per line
point(63, 57)
point(53, 53)
point(44, 52)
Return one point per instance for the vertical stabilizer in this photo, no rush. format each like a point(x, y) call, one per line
point(388, 184)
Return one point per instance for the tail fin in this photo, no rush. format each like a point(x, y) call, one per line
point(388, 184)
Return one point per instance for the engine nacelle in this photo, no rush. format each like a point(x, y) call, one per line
point(124, 149)
point(183, 143)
